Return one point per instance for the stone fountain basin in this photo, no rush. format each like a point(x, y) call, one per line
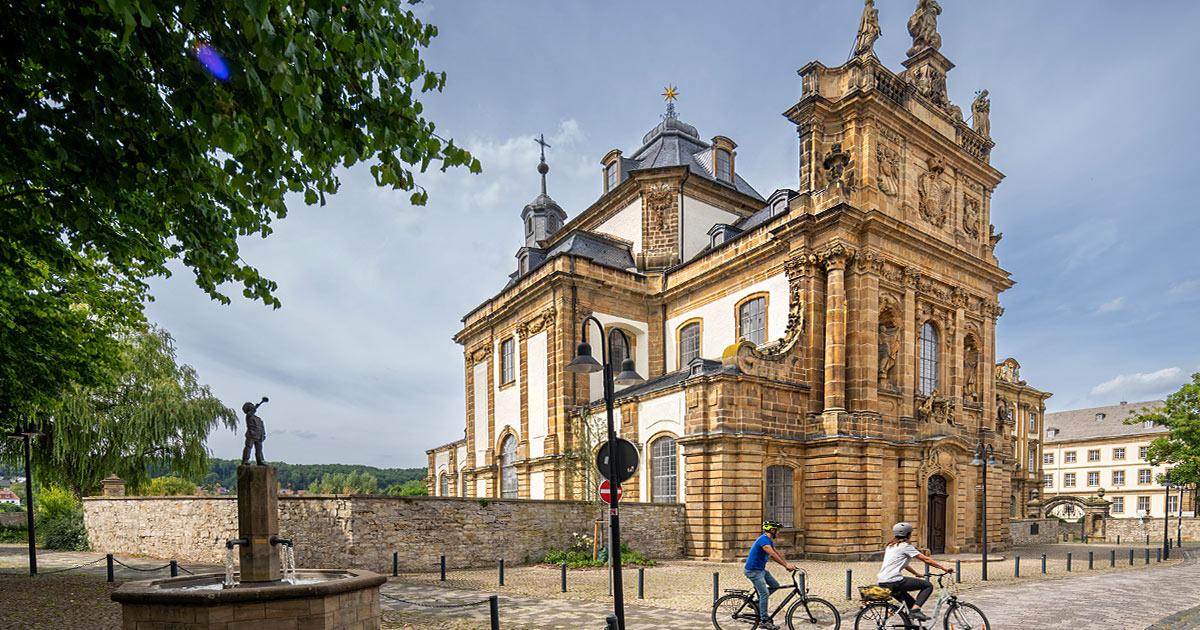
point(321, 598)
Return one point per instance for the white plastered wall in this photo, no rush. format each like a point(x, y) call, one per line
point(535, 349)
point(656, 416)
point(641, 348)
point(626, 224)
point(698, 219)
point(719, 326)
point(508, 397)
point(482, 437)
point(537, 485)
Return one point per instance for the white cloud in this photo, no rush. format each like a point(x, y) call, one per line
point(1112, 305)
point(1131, 386)
point(1184, 291)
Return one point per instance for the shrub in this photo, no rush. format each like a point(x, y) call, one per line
point(54, 502)
point(579, 555)
point(13, 535)
point(60, 520)
point(10, 507)
point(169, 487)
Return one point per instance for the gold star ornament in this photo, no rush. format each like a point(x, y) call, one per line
point(671, 93)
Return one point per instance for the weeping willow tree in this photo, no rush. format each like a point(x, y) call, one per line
point(152, 412)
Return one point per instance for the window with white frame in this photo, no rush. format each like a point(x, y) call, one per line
point(610, 176)
point(444, 485)
point(724, 166)
point(1118, 505)
point(689, 343)
point(1172, 504)
point(1048, 481)
point(752, 320)
point(1142, 451)
point(1048, 458)
point(1069, 457)
point(1033, 459)
point(1032, 422)
point(929, 359)
point(1144, 476)
point(507, 364)
point(1094, 455)
point(664, 471)
point(1093, 478)
point(1119, 453)
point(1118, 477)
point(1144, 505)
point(779, 505)
point(1068, 480)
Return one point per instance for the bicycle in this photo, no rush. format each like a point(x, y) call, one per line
point(883, 613)
point(739, 609)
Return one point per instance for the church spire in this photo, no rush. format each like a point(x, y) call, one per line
point(543, 167)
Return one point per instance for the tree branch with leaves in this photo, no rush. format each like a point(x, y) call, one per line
point(1180, 447)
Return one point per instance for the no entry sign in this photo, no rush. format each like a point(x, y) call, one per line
point(606, 492)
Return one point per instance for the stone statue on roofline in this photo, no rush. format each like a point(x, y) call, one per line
point(923, 27)
point(981, 111)
point(868, 30)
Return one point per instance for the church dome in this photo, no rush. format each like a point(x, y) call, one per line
point(543, 203)
point(671, 124)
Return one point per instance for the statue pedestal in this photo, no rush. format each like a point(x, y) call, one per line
point(258, 521)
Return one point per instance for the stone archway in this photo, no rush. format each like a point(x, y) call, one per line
point(935, 521)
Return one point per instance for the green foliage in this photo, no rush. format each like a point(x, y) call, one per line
point(411, 488)
point(59, 519)
point(13, 535)
point(1180, 448)
point(54, 502)
point(10, 507)
point(299, 476)
point(579, 555)
point(342, 483)
point(153, 411)
point(168, 487)
point(123, 154)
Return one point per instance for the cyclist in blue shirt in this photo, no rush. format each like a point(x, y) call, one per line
point(759, 576)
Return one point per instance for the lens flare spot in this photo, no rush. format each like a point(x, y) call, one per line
point(212, 61)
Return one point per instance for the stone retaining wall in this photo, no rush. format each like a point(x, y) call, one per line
point(361, 532)
point(13, 519)
point(1134, 530)
point(1042, 531)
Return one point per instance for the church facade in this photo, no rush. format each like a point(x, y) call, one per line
point(822, 355)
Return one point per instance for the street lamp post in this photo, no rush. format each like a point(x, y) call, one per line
point(1179, 521)
point(984, 457)
point(1166, 516)
point(27, 434)
point(584, 363)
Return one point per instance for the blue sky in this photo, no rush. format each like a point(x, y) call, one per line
point(1093, 112)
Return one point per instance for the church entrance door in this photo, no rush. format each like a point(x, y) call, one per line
point(937, 514)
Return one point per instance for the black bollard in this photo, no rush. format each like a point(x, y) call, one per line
point(1131, 556)
point(849, 580)
point(395, 563)
point(611, 623)
point(1043, 564)
point(174, 569)
point(1158, 554)
point(958, 571)
point(494, 611)
point(1090, 565)
point(501, 571)
point(716, 585)
point(109, 558)
point(1147, 540)
point(443, 567)
point(1118, 539)
point(1017, 566)
point(641, 582)
point(564, 577)
point(1112, 558)
point(1147, 555)
point(1068, 562)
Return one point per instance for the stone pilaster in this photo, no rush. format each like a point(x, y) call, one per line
point(908, 353)
point(835, 260)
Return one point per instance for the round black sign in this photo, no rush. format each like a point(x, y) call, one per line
point(627, 457)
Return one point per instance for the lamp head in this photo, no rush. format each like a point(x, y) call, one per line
point(628, 375)
point(584, 362)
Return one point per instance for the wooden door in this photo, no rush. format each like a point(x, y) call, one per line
point(937, 514)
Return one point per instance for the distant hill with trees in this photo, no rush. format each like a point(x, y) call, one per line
point(302, 476)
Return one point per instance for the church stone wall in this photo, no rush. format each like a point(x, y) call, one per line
point(362, 532)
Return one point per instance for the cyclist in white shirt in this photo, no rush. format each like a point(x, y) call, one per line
point(895, 561)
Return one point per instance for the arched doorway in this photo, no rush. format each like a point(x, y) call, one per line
point(937, 514)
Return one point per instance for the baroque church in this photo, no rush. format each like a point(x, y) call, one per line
point(822, 355)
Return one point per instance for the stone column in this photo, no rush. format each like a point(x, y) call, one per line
point(258, 521)
point(835, 328)
point(908, 354)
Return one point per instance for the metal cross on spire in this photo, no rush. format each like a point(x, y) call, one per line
point(543, 168)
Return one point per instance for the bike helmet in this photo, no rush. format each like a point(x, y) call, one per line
point(770, 526)
point(902, 530)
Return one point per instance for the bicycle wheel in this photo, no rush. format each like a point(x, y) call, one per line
point(734, 611)
point(813, 613)
point(874, 616)
point(965, 616)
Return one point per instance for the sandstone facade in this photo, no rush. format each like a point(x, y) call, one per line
point(362, 532)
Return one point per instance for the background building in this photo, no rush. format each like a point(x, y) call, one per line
point(822, 356)
point(1093, 450)
point(1021, 409)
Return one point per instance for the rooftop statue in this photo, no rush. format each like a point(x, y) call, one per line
point(923, 27)
point(981, 110)
point(868, 30)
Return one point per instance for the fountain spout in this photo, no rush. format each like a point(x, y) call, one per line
point(236, 542)
point(275, 540)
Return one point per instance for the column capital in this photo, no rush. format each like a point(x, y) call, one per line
point(835, 257)
point(912, 276)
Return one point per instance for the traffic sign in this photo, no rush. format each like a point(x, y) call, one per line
point(606, 490)
point(628, 460)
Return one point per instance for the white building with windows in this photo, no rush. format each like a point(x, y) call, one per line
point(1088, 450)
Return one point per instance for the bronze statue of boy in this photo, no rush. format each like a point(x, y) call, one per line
point(256, 432)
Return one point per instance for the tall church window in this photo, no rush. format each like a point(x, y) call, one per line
point(618, 349)
point(508, 468)
point(664, 481)
point(930, 361)
point(689, 343)
point(444, 485)
point(507, 373)
point(724, 166)
point(610, 177)
point(779, 504)
point(752, 320)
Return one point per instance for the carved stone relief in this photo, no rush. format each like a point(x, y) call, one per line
point(659, 200)
point(971, 217)
point(839, 169)
point(887, 159)
point(889, 349)
point(934, 193)
point(971, 370)
point(937, 408)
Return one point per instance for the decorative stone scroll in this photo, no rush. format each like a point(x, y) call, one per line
point(933, 193)
point(480, 353)
point(542, 320)
point(776, 358)
point(659, 199)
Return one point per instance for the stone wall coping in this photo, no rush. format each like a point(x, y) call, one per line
point(158, 592)
point(384, 497)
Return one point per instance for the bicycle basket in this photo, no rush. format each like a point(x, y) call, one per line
point(875, 593)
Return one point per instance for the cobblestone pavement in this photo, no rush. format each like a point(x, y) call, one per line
point(14, 559)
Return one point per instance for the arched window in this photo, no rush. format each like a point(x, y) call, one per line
point(779, 504)
point(618, 349)
point(508, 468)
point(664, 482)
point(689, 343)
point(444, 485)
point(724, 166)
point(752, 320)
point(930, 361)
